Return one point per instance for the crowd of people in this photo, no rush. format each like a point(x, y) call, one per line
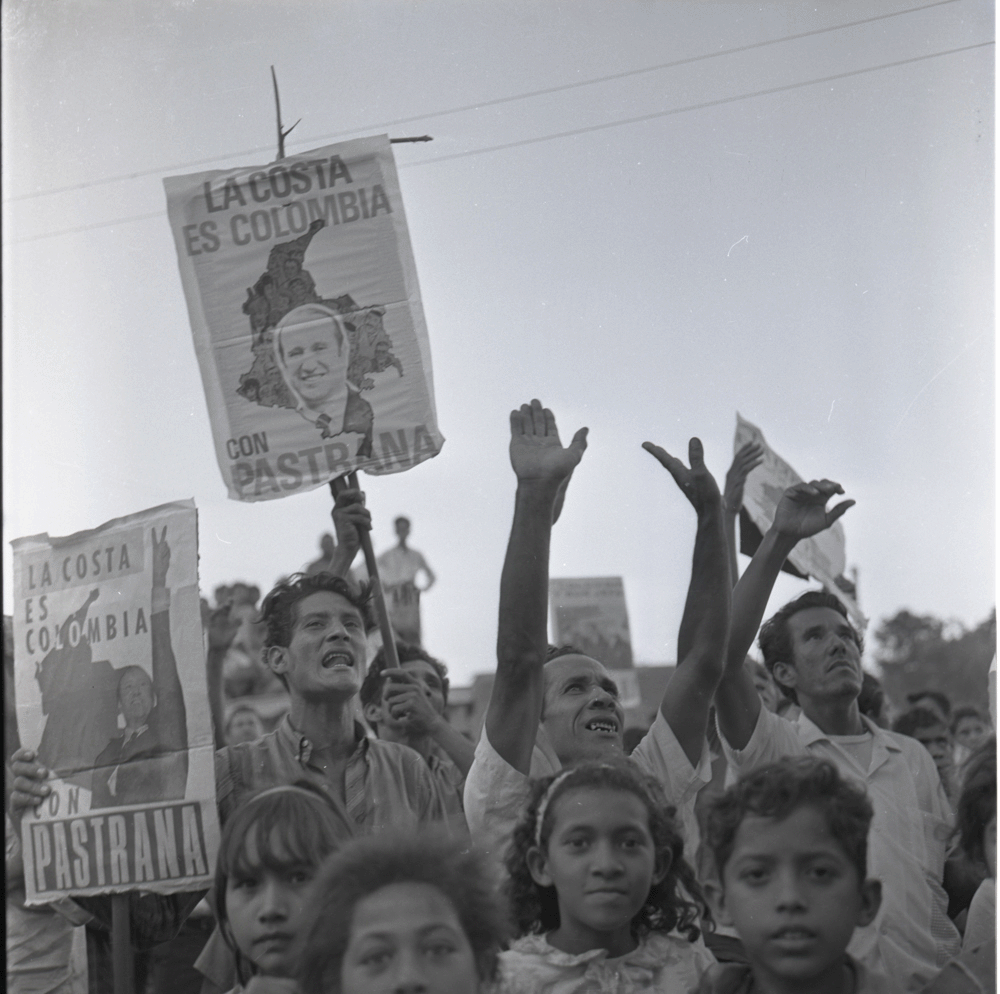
point(768, 833)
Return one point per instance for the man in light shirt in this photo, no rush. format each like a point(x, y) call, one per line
point(814, 656)
point(549, 710)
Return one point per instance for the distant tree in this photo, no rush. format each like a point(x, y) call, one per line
point(920, 651)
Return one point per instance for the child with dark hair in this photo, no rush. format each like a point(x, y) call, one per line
point(415, 912)
point(408, 706)
point(598, 886)
point(790, 842)
point(969, 729)
point(270, 852)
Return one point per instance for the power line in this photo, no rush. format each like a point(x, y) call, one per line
point(486, 103)
point(690, 107)
point(588, 130)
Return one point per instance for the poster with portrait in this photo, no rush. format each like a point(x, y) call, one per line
point(303, 299)
point(111, 694)
point(822, 556)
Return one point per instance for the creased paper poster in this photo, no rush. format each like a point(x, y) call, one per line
point(823, 556)
point(590, 614)
point(111, 694)
point(307, 321)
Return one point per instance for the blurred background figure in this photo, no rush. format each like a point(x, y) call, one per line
point(244, 725)
point(322, 565)
point(399, 569)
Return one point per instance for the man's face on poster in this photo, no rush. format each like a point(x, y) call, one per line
point(312, 355)
point(135, 697)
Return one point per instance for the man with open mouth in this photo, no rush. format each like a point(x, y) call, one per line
point(552, 708)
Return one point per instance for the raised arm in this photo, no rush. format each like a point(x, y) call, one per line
point(801, 513)
point(170, 711)
point(542, 465)
point(745, 461)
point(222, 629)
point(701, 641)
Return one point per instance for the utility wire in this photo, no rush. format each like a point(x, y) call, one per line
point(488, 103)
point(588, 130)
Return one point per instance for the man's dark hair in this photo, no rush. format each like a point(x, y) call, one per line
point(555, 651)
point(916, 718)
point(775, 639)
point(778, 789)
point(402, 517)
point(371, 689)
point(935, 695)
point(977, 805)
point(278, 610)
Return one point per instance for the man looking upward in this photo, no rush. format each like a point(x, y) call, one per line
point(544, 715)
point(814, 656)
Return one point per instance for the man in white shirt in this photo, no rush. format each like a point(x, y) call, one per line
point(548, 713)
point(814, 656)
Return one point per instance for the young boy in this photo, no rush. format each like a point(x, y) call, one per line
point(408, 707)
point(790, 844)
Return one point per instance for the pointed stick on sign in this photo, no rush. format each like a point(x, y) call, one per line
point(381, 611)
point(282, 133)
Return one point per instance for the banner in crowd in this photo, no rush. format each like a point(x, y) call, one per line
point(302, 294)
point(822, 556)
point(111, 694)
point(589, 613)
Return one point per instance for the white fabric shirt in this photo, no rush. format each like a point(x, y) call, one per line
point(911, 937)
point(496, 794)
point(662, 964)
point(981, 923)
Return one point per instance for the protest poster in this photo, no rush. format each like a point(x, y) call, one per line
point(111, 694)
point(822, 556)
point(308, 326)
point(589, 613)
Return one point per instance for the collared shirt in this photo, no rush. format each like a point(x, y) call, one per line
point(911, 937)
point(737, 978)
point(496, 794)
point(386, 785)
point(451, 785)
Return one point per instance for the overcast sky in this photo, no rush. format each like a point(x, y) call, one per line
point(648, 214)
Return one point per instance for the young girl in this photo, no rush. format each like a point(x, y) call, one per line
point(595, 868)
point(271, 849)
point(391, 913)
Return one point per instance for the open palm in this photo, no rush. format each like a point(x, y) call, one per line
point(802, 509)
point(536, 453)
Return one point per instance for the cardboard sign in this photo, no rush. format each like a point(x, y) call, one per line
point(590, 614)
point(822, 556)
point(111, 694)
point(308, 327)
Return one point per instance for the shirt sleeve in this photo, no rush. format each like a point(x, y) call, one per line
point(495, 796)
point(660, 755)
point(773, 738)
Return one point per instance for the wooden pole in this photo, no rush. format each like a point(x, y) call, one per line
point(381, 611)
point(122, 964)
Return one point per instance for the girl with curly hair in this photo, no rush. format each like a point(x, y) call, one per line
point(599, 889)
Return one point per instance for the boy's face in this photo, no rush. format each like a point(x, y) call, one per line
point(794, 896)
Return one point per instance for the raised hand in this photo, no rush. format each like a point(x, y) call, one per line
point(802, 509)
point(407, 702)
point(745, 461)
point(350, 518)
point(536, 453)
point(696, 483)
point(161, 559)
point(222, 628)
